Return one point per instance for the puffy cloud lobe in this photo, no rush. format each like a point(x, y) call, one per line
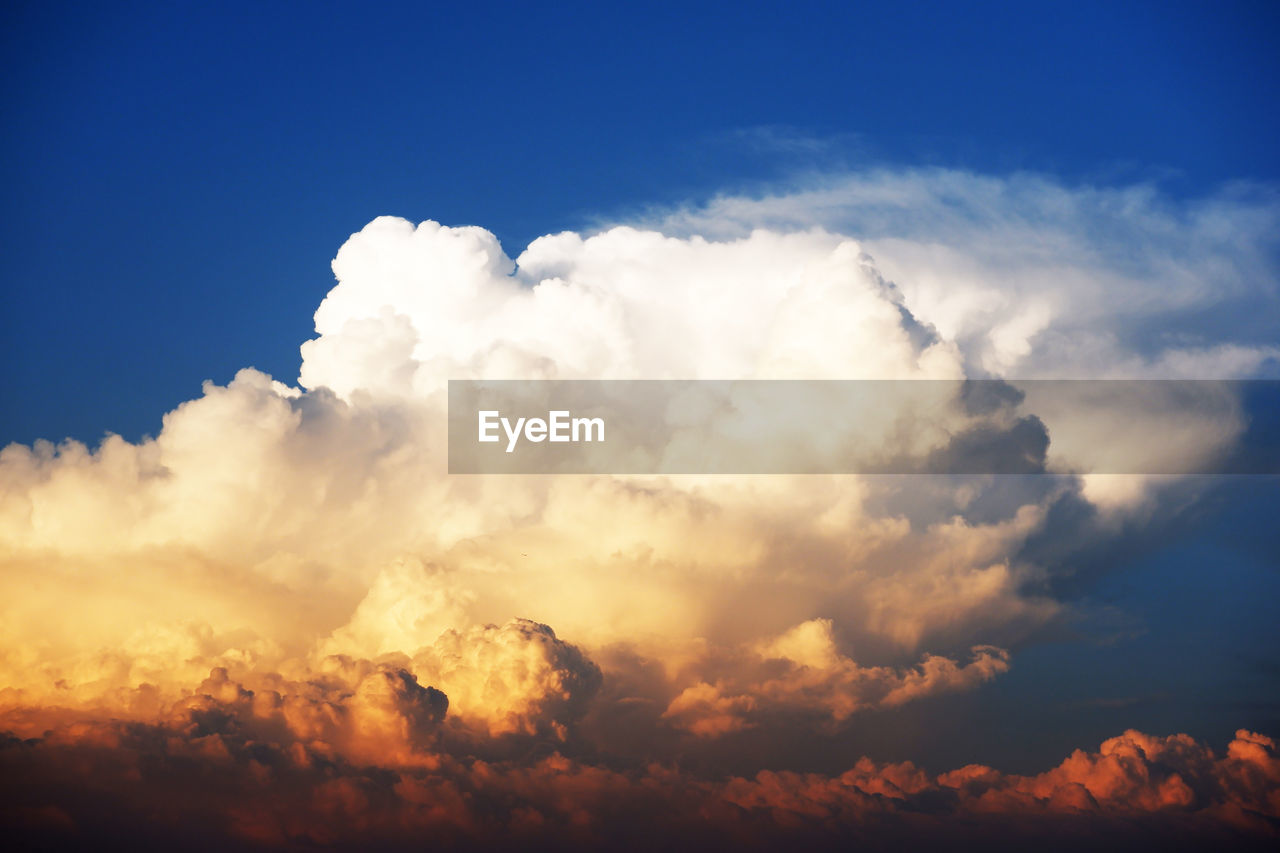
point(1138, 772)
point(365, 713)
point(408, 606)
point(247, 472)
point(415, 306)
point(803, 672)
point(517, 678)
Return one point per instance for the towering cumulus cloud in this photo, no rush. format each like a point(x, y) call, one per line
point(281, 622)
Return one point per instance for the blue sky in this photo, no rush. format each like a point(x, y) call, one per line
point(179, 175)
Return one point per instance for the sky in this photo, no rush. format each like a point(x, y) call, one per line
point(202, 165)
point(245, 247)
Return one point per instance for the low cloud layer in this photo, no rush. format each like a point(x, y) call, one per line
point(329, 763)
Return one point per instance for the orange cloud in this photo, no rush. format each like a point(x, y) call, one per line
point(325, 763)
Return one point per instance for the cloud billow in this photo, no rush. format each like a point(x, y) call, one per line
point(286, 592)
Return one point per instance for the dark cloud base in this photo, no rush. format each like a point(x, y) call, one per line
point(204, 780)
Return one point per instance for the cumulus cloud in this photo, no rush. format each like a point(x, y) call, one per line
point(802, 672)
point(362, 611)
point(220, 763)
point(1030, 277)
point(515, 678)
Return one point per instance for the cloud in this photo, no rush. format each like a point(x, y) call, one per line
point(220, 763)
point(803, 673)
point(285, 591)
point(446, 302)
point(1030, 277)
point(518, 677)
point(287, 510)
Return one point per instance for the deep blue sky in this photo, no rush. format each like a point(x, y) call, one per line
point(178, 175)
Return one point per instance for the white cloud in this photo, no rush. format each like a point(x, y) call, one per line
point(267, 524)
